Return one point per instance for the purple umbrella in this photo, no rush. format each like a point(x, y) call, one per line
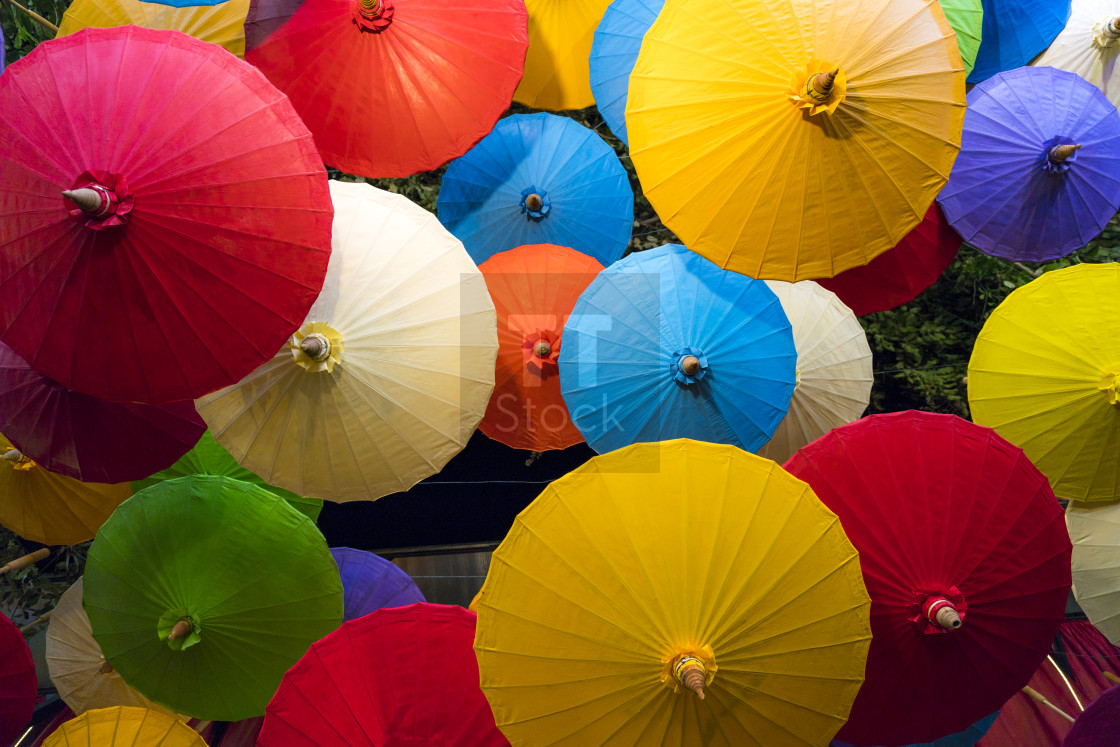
point(87, 438)
point(370, 583)
point(1038, 175)
point(1099, 725)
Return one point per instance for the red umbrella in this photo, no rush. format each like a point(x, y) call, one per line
point(400, 675)
point(87, 438)
point(198, 229)
point(898, 275)
point(18, 686)
point(966, 557)
point(391, 87)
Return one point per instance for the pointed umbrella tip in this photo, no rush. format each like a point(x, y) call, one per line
point(87, 199)
point(693, 679)
point(181, 629)
point(1060, 153)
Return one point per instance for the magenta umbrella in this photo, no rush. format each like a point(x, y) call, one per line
point(1099, 725)
point(89, 439)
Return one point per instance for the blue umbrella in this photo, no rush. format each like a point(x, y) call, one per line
point(966, 738)
point(1014, 31)
point(664, 344)
point(614, 50)
point(538, 179)
point(1019, 188)
point(369, 582)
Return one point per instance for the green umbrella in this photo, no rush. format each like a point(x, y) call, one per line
point(209, 458)
point(202, 591)
point(965, 16)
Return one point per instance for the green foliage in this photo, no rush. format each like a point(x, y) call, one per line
point(21, 34)
point(25, 594)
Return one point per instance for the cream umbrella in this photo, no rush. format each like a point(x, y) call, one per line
point(833, 367)
point(81, 675)
point(1095, 533)
point(389, 374)
point(1089, 45)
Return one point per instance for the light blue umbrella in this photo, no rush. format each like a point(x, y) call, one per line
point(614, 50)
point(369, 582)
point(966, 738)
point(538, 179)
point(664, 344)
point(1014, 31)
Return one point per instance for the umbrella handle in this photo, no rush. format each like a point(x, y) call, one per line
point(26, 560)
point(1060, 153)
point(1038, 697)
point(819, 86)
point(35, 17)
point(1111, 29)
point(1111, 678)
point(36, 622)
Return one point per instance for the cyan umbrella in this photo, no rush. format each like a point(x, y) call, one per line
point(614, 51)
point(1014, 31)
point(664, 344)
point(538, 179)
point(369, 582)
point(1038, 175)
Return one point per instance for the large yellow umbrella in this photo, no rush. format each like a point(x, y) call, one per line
point(389, 374)
point(222, 24)
point(124, 727)
point(795, 140)
point(833, 367)
point(1045, 374)
point(81, 675)
point(661, 568)
point(556, 73)
point(53, 509)
point(1095, 534)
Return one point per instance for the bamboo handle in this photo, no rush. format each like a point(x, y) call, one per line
point(22, 562)
point(1038, 697)
point(1112, 678)
point(35, 17)
point(36, 622)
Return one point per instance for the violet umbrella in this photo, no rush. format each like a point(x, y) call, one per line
point(1038, 175)
point(85, 437)
point(369, 582)
point(1099, 725)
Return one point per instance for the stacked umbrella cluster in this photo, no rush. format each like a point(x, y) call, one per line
point(203, 337)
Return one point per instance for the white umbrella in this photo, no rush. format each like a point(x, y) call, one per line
point(1089, 46)
point(1095, 533)
point(78, 670)
point(391, 371)
point(833, 367)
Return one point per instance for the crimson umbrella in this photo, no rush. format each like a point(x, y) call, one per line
point(966, 557)
point(401, 675)
point(197, 231)
point(898, 275)
point(17, 682)
point(85, 437)
point(391, 87)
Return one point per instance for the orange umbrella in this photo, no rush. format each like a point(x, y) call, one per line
point(534, 289)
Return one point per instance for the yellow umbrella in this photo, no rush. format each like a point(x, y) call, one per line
point(81, 675)
point(1045, 374)
point(661, 568)
point(53, 509)
point(833, 367)
point(389, 374)
point(763, 160)
point(1095, 533)
point(556, 73)
point(222, 24)
point(124, 727)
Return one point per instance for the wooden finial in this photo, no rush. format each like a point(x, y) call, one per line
point(1060, 153)
point(23, 561)
point(947, 618)
point(693, 679)
point(181, 629)
point(690, 365)
point(1038, 697)
point(1112, 28)
point(819, 85)
point(89, 200)
point(542, 349)
point(316, 347)
point(12, 455)
point(106, 668)
point(533, 202)
point(372, 7)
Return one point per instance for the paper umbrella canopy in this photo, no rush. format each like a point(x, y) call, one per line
point(1095, 533)
point(390, 373)
point(790, 141)
point(124, 726)
point(402, 675)
point(966, 559)
point(1045, 374)
point(195, 193)
point(661, 571)
point(221, 23)
point(17, 682)
point(79, 672)
point(203, 591)
point(369, 582)
point(1089, 46)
